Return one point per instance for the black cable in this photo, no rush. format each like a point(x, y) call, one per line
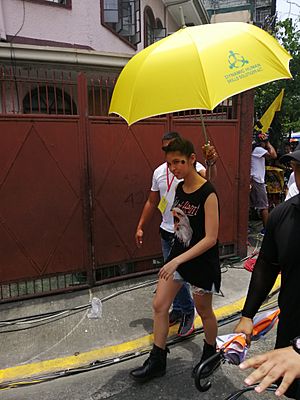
point(35, 319)
point(21, 27)
point(57, 318)
point(236, 395)
point(13, 321)
point(13, 56)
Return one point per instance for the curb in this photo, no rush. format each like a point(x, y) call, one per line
point(20, 372)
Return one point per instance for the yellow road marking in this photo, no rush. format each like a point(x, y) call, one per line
point(40, 368)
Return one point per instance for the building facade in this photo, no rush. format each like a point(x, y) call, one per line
point(79, 36)
point(112, 26)
point(260, 12)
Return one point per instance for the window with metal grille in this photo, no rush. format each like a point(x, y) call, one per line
point(159, 31)
point(49, 100)
point(149, 26)
point(262, 14)
point(122, 17)
point(153, 28)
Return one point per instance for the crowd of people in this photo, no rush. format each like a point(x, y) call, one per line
point(189, 206)
point(271, 180)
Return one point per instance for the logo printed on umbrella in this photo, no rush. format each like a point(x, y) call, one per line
point(236, 60)
point(241, 66)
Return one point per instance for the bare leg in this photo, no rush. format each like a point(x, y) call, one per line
point(204, 308)
point(203, 303)
point(165, 294)
point(264, 216)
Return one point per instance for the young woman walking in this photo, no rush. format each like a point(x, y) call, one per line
point(194, 258)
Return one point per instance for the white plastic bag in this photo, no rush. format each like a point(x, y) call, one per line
point(96, 309)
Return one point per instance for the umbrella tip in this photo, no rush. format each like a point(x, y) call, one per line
point(183, 25)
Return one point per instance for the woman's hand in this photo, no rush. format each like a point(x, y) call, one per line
point(168, 269)
point(281, 363)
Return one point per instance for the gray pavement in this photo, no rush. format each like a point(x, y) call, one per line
point(53, 334)
point(49, 345)
point(126, 318)
point(58, 335)
point(113, 382)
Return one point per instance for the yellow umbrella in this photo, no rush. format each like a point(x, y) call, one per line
point(197, 68)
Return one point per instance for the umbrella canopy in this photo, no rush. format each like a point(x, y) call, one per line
point(197, 68)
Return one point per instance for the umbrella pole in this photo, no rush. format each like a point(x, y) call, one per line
point(206, 142)
point(203, 128)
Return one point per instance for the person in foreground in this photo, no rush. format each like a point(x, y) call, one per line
point(279, 253)
point(193, 258)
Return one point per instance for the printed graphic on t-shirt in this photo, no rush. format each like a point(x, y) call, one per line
point(189, 209)
point(182, 228)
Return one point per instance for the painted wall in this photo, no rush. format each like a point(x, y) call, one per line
point(80, 26)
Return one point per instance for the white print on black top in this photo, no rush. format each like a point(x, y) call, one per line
point(182, 228)
point(189, 209)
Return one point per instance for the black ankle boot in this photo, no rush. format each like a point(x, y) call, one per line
point(207, 352)
point(153, 367)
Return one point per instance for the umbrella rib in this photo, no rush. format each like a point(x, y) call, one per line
point(269, 49)
point(202, 69)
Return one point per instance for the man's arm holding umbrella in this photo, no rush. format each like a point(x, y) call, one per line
point(211, 156)
point(271, 154)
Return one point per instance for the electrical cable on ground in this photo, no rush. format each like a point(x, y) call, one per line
point(43, 318)
point(98, 364)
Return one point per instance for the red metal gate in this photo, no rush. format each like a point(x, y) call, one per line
point(42, 226)
point(73, 184)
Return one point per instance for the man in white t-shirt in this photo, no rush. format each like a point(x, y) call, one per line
point(258, 193)
point(161, 196)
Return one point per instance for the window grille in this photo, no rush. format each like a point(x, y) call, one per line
point(154, 29)
point(123, 18)
point(262, 14)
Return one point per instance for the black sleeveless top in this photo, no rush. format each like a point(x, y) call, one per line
point(189, 228)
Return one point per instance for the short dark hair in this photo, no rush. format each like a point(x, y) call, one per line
point(182, 145)
point(170, 135)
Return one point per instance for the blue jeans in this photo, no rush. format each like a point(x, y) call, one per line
point(183, 301)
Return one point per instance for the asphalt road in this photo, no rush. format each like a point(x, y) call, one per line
point(114, 383)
